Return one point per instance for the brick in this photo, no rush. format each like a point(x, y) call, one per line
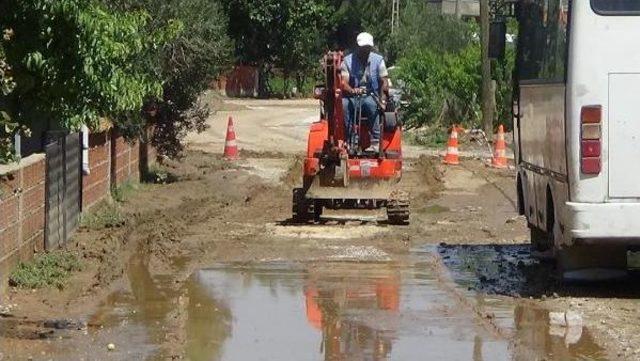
point(33, 198)
point(121, 177)
point(9, 211)
point(98, 155)
point(98, 139)
point(95, 194)
point(122, 159)
point(9, 184)
point(121, 146)
point(98, 174)
point(9, 240)
point(33, 174)
point(33, 223)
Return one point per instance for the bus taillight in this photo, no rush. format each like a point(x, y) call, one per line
point(590, 139)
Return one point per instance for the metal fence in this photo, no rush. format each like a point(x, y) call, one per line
point(63, 189)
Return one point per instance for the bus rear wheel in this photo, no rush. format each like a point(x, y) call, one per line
point(541, 244)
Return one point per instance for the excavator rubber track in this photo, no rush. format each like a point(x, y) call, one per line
point(303, 209)
point(398, 209)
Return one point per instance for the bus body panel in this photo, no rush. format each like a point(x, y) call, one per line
point(601, 51)
point(542, 146)
point(603, 68)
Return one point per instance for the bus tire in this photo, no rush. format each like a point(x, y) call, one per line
point(541, 244)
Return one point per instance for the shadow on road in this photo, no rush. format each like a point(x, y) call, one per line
point(511, 270)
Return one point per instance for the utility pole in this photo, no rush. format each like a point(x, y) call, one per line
point(458, 10)
point(488, 89)
point(395, 15)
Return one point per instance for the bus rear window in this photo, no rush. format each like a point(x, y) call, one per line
point(616, 7)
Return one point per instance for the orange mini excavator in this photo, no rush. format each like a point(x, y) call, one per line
point(338, 173)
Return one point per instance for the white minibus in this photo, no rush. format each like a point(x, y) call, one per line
point(577, 130)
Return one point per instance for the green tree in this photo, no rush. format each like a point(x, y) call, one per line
point(354, 16)
point(303, 39)
point(73, 60)
point(186, 65)
point(290, 34)
point(422, 26)
point(7, 126)
point(442, 88)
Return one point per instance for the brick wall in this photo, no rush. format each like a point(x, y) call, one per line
point(22, 207)
point(96, 185)
point(125, 160)
point(112, 161)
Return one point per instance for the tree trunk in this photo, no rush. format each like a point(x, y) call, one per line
point(487, 97)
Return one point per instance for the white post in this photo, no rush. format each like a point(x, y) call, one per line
point(85, 149)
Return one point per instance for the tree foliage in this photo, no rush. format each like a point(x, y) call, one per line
point(8, 127)
point(424, 27)
point(439, 62)
point(74, 60)
point(289, 34)
point(354, 16)
point(187, 65)
point(442, 88)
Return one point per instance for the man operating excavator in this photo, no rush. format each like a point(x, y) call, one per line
point(364, 72)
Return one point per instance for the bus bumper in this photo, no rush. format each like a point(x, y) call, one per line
point(603, 223)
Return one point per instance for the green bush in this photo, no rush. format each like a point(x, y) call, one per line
point(441, 89)
point(47, 269)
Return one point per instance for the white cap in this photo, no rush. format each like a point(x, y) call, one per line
point(364, 39)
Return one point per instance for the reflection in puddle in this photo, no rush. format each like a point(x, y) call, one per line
point(329, 311)
point(343, 312)
point(371, 312)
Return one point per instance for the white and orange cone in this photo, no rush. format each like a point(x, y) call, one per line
point(500, 150)
point(230, 146)
point(452, 148)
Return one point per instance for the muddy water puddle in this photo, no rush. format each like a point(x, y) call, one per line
point(329, 311)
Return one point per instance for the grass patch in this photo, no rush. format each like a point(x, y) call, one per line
point(123, 191)
point(45, 270)
point(103, 216)
point(430, 137)
point(158, 175)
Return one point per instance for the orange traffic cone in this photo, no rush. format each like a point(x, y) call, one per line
point(452, 147)
point(230, 146)
point(500, 151)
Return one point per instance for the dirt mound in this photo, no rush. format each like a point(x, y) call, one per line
point(216, 102)
point(293, 176)
point(247, 153)
point(430, 175)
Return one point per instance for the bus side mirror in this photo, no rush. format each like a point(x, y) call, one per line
point(497, 39)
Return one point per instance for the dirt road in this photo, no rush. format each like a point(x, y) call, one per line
point(207, 267)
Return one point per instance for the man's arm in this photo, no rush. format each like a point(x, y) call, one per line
point(346, 87)
point(384, 76)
